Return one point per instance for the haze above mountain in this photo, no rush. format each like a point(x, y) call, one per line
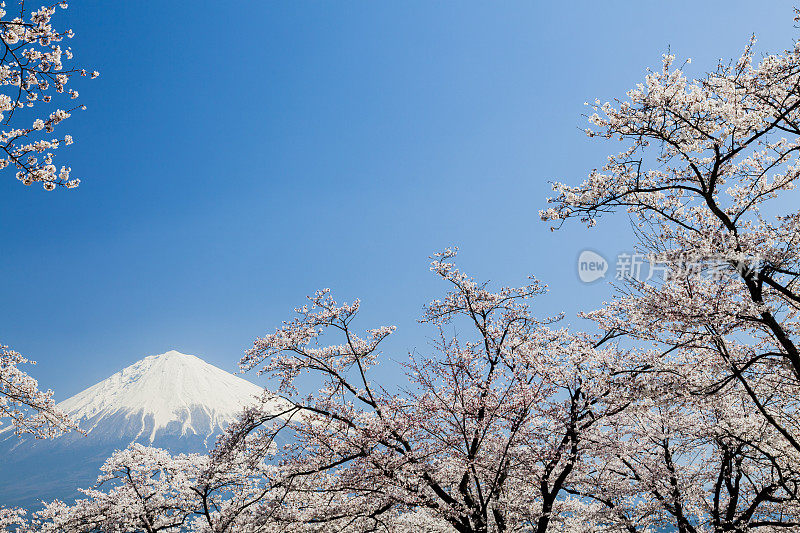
point(171, 400)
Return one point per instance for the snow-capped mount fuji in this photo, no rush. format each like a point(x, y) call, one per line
point(171, 394)
point(171, 400)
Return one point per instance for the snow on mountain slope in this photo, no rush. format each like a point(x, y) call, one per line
point(160, 392)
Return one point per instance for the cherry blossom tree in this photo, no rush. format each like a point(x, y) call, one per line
point(707, 174)
point(28, 409)
point(691, 463)
point(33, 74)
point(11, 518)
point(485, 437)
point(139, 489)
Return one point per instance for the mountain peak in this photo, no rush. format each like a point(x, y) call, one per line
point(171, 353)
point(169, 392)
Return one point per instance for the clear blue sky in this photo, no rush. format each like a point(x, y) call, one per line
point(237, 156)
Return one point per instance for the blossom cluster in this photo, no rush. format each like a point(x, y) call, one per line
point(34, 73)
point(22, 404)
